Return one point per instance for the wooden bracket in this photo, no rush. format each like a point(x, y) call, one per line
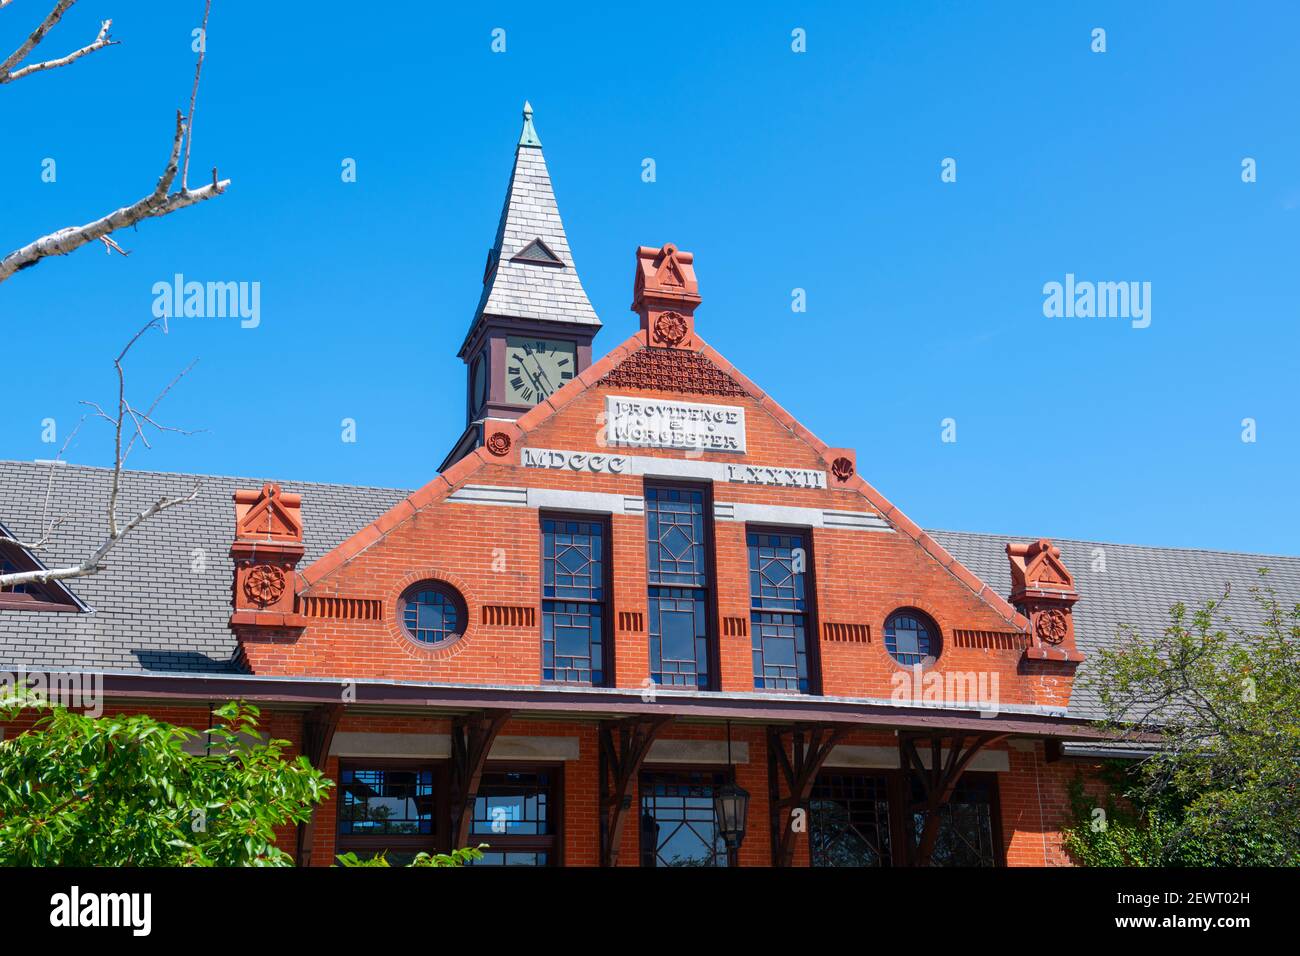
point(939, 779)
point(623, 748)
point(472, 736)
point(810, 746)
point(318, 727)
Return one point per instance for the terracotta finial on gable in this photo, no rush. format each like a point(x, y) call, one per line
point(1038, 565)
point(268, 515)
point(1042, 589)
point(267, 547)
point(665, 294)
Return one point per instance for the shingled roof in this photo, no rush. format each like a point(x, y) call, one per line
point(164, 603)
point(1125, 586)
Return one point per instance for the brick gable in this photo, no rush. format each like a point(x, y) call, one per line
point(489, 552)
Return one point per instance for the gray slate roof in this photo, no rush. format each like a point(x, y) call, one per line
point(1136, 589)
point(164, 602)
point(158, 608)
point(529, 290)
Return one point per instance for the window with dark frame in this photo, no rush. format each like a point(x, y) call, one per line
point(433, 613)
point(573, 600)
point(679, 580)
point(867, 818)
point(387, 809)
point(778, 563)
point(849, 820)
point(911, 637)
point(8, 567)
point(678, 825)
point(967, 836)
point(516, 815)
point(32, 596)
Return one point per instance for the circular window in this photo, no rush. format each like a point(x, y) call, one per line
point(911, 638)
point(433, 613)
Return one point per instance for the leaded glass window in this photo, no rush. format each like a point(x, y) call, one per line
point(678, 823)
point(433, 614)
point(965, 825)
point(677, 565)
point(573, 600)
point(911, 638)
point(513, 803)
point(515, 815)
point(778, 565)
point(513, 858)
point(386, 802)
point(849, 820)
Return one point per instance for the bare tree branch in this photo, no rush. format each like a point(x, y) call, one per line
point(194, 95)
point(48, 526)
point(101, 41)
point(157, 203)
point(160, 202)
point(110, 246)
point(137, 421)
point(7, 72)
point(95, 563)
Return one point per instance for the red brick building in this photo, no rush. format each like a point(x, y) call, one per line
point(636, 584)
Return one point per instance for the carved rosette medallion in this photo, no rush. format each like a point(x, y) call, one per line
point(498, 443)
point(1052, 626)
point(670, 328)
point(264, 584)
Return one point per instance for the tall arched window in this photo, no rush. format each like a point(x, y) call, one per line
point(678, 569)
point(573, 600)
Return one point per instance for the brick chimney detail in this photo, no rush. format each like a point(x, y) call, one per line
point(266, 550)
point(1042, 589)
point(665, 296)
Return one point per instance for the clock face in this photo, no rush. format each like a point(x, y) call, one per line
point(536, 368)
point(478, 382)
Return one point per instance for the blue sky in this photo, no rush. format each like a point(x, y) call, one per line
point(779, 170)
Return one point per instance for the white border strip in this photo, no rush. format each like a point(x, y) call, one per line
point(605, 503)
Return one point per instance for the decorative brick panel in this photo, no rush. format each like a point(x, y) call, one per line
point(997, 640)
point(671, 370)
point(509, 615)
point(846, 633)
point(631, 621)
point(341, 608)
point(735, 627)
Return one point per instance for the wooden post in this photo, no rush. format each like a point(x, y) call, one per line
point(318, 727)
point(472, 736)
point(623, 748)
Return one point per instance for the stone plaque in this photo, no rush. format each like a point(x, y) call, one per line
point(659, 423)
point(771, 475)
point(575, 461)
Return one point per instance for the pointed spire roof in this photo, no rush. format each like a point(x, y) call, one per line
point(530, 272)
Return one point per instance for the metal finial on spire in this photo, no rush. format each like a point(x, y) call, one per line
point(529, 136)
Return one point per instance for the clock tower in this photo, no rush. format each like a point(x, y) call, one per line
point(533, 327)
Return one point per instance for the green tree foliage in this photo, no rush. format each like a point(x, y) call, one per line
point(1222, 785)
point(461, 857)
point(122, 791)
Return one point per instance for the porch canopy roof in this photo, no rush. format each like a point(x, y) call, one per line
point(596, 704)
